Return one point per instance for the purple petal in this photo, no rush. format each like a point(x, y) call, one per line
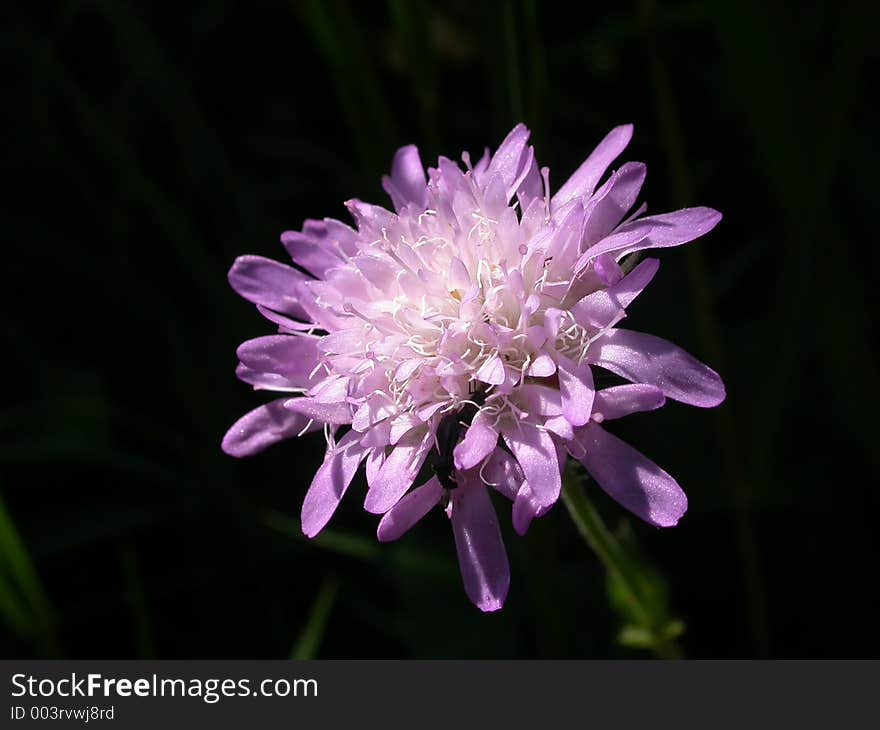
point(459, 276)
point(634, 283)
point(582, 183)
point(657, 231)
point(623, 400)
point(530, 183)
point(370, 218)
point(535, 452)
point(335, 413)
point(320, 246)
point(399, 471)
point(380, 272)
point(678, 227)
point(613, 201)
point(615, 245)
point(542, 366)
point(643, 358)
point(560, 426)
point(502, 473)
point(285, 324)
point(330, 482)
point(267, 282)
point(604, 307)
point(375, 408)
point(479, 441)
point(491, 371)
point(375, 459)
point(540, 399)
point(481, 554)
point(262, 427)
point(607, 269)
point(525, 509)
point(630, 478)
point(264, 381)
point(409, 510)
point(332, 389)
point(402, 425)
point(291, 356)
point(576, 388)
point(507, 161)
point(407, 183)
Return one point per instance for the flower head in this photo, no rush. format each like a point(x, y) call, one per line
point(462, 330)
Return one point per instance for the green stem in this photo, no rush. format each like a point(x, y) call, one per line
point(603, 542)
point(309, 640)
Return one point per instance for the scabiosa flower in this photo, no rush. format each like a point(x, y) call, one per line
point(462, 330)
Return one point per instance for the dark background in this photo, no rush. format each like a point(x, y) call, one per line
point(150, 145)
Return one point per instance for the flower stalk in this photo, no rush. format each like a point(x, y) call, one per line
point(650, 628)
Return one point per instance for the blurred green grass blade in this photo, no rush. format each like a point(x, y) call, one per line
point(17, 563)
point(312, 634)
point(12, 609)
point(23, 600)
point(344, 543)
point(396, 557)
point(347, 544)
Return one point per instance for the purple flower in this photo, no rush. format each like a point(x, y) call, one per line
point(463, 330)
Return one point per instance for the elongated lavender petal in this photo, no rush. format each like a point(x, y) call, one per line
point(492, 371)
point(398, 472)
point(604, 307)
point(265, 381)
point(643, 358)
point(531, 185)
point(507, 162)
point(260, 428)
point(577, 390)
point(525, 508)
point(370, 218)
point(630, 478)
point(409, 510)
point(482, 557)
point(613, 201)
point(680, 226)
point(320, 246)
point(657, 231)
point(407, 183)
point(502, 473)
point(583, 181)
point(286, 325)
point(624, 400)
point(293, 357)
point(479, 441)
point(330, 483)
point(335, 413)
point(267, 282)
point(536, 454)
